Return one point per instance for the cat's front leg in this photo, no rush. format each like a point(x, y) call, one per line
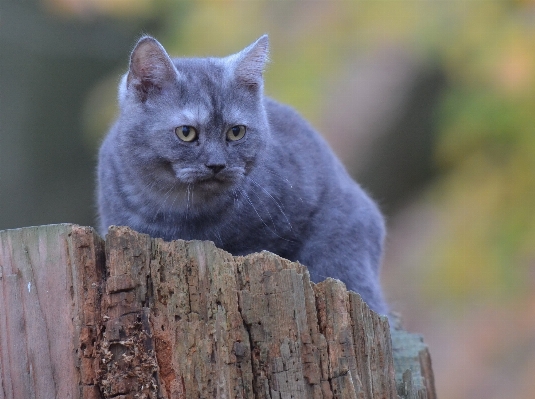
point(348, 247)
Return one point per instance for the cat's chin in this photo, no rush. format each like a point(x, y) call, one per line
point(204, 192)
point(213, 186)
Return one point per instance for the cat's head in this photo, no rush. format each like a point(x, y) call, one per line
point(196, 124)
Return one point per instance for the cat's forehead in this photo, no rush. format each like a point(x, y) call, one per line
point(201, 76)
point(207, 90)
point(194, 112)
point(202, 71)
point(201, 113)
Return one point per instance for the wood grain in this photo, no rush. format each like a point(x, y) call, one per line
point(49, 279)
point(142, 318)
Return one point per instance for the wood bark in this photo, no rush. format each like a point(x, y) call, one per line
point(135, 317)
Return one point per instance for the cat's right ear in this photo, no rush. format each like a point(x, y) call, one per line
point(150, 68)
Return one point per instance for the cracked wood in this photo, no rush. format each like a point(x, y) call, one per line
point(142, 318)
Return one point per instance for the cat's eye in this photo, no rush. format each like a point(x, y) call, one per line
point(186, 133)
point(236, 133)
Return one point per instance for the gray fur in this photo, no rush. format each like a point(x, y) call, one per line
point(280, 188)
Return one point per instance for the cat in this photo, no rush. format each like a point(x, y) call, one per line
point(198, 152)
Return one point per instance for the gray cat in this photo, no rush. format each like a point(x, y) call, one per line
point(198, 152)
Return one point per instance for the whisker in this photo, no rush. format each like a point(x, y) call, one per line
point(150, 186)
point(260, 217)
point(282, 178)
point(268, 212)
point(279, 176)
point(219, 237)
point(274, 200)
point(174, 199)
point(188, 192)
point(167, 194)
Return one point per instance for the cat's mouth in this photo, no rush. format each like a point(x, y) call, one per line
point(212, 180)
point(206, 179)
point(216, 181)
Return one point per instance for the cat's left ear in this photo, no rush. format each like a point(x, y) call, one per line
point(249, 63)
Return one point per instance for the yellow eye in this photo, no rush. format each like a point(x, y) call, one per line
point(236, 133)
point(186, 133)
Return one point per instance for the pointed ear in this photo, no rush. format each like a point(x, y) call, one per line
point(250, 63)
point(150, 68)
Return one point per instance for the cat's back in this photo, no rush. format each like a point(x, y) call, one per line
point(297, 143)
point(303, 157)
point(286, 123)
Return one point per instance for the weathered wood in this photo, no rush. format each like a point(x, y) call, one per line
point(155, 319)
point(412, 362)
point(49, 296)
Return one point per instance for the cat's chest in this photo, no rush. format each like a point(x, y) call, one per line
point(249, 223)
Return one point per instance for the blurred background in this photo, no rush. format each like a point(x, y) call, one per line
point(430, 105)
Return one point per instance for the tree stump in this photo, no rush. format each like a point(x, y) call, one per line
point(135, 317)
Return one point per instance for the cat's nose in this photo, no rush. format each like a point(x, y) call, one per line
point(216, 167)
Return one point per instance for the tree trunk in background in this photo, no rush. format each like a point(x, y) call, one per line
point(137, 317)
